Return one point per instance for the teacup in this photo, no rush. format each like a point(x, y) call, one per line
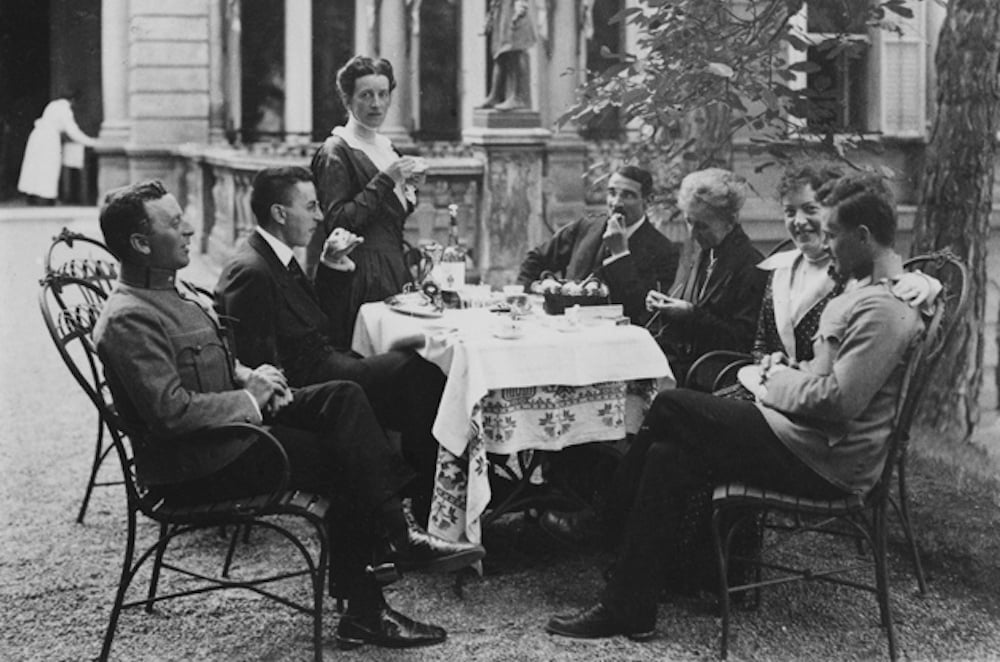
point(520, 304)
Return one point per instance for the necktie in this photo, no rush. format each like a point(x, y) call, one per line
point(300, 277)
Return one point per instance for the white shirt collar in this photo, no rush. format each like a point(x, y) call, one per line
point(630, 229)
point(280, 248)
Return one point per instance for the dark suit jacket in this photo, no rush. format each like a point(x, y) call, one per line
point(575, 253)
point(274, 318)
point(725, 309)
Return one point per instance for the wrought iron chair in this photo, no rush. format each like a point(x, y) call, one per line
point(77, 255)
point(70, 321)
point(714, 370)
point(72, 254)
point(863, 517)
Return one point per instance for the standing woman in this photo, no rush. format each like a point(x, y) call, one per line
point(42, 163)
point(364, 185)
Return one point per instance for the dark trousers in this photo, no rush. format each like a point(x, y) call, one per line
point(336, 448)
point(404, 391)
point(687, 440)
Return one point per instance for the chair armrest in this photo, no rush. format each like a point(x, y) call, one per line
point(708, 372)
point(223, 433)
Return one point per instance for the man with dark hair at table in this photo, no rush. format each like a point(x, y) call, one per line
point(170, 371)
point(276, 319)
point(621, 247)
point(818, 429)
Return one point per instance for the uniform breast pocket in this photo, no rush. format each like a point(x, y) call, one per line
point(202, 361)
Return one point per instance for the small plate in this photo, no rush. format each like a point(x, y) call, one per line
point(507, 334)
point(415, 310)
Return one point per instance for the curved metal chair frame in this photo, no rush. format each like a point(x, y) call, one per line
point(76, 255)
point(861, 518)
point(79, 256)
point(71, 328)
point(714, 370)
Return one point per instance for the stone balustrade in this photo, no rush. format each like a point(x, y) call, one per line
point(215, 185)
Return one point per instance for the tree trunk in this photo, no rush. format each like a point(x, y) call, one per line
point(956, 199)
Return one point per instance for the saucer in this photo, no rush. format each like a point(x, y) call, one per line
point(508, 334)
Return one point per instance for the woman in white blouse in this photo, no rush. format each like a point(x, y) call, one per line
point(800, 284)
point(39, 178)
point(364, 185)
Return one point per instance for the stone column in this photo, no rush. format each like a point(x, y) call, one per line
point(393, 37)
point(298, 71)
point(116, 128)
point(512, 216)
point(567, 153)
point(216, 73)
point(474, 60)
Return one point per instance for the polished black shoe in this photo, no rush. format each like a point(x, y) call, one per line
point(579, 528)
point(386, 627)
point(424, 551)
point(598, 622)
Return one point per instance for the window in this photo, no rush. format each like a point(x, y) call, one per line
point(861, 79)
point(332, 47)
point(437, 118)
point(599, 33)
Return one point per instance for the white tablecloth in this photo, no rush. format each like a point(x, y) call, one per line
point(554, 386)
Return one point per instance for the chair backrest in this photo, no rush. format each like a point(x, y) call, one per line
point(949, 308)
point(785, 245)
point(70, 307)
point(79, 256)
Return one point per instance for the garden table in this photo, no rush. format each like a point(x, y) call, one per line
point(544, 385)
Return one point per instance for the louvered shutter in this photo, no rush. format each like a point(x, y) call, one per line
point(900, 80)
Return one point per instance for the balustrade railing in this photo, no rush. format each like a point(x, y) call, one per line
point(217, 183)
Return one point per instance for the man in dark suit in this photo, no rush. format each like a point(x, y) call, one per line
point(716, 307)
point(276, 319)
point(623, 248)
point(170, 372)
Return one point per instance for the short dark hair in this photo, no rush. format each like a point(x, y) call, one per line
point(862, 199)
point(124, 213)
point(637, 174)
point(272, 186)
point(358, 66)
point(812, 173)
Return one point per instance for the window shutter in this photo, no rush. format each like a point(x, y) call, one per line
point(901, 79)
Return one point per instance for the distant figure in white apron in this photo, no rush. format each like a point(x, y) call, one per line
point(43, 155)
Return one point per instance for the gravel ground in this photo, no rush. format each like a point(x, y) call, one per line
point(57, 578)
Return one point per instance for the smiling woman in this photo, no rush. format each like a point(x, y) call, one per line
point(364, 186)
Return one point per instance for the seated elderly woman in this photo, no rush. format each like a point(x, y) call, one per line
point(716, 306)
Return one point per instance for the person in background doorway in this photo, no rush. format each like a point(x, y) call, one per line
point(43, 154)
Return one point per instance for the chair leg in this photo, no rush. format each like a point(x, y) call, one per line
point(233, 540)
point(94, 467)
point(154, 579)
point(123, 583)
point(904, 517)
point(319, 587)
point(721, 555)
point(880, 543)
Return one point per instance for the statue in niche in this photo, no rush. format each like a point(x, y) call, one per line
point(511, 27)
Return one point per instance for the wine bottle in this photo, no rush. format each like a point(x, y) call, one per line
point(452, 272)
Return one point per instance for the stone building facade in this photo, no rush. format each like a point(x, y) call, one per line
point(201, 93)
